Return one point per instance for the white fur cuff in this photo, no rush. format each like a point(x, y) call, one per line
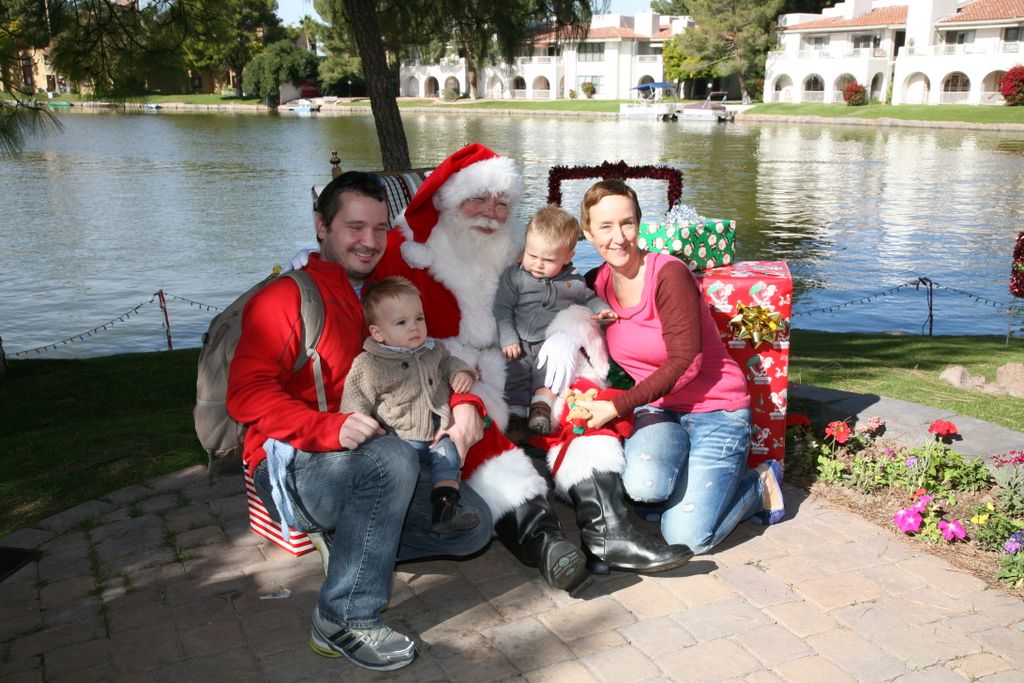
point(585, 456)
point(507, 481)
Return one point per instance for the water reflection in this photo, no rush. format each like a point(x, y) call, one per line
point(100, 216)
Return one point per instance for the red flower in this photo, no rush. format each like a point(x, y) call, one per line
point(942, 428)
point(840, 431)
point(797, 420)
point(917, 494)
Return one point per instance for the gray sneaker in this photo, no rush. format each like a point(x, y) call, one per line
point(380, 648)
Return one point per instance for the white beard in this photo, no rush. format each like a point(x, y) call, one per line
point(469, 264)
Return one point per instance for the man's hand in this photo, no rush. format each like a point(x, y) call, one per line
point(467, 428)
point(558, 357)
point(601, 412)
point(512, 351)
point(462, 382)
point(356, 429)
point(299, 261)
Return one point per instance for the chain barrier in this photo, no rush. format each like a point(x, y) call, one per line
point(922, 282)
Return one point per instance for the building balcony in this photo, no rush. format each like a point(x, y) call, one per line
point(539, 60)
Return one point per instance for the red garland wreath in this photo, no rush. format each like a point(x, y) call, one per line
point(614, 171)
point(1017, 269)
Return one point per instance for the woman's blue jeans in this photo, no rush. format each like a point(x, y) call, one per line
point(696, 463)
point(376, 500)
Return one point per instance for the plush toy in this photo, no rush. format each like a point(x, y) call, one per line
point(578, 416)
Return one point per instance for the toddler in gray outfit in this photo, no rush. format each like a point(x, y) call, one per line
point(530, 295)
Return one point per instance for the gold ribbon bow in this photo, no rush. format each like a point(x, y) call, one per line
point(757, 323)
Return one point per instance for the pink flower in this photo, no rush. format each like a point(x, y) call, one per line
point(922, 503)
point(907, 521)
point(840, 431)
point(951, 530)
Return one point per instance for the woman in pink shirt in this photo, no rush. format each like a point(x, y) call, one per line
point(692, 431)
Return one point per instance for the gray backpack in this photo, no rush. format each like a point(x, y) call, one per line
point(219, 434)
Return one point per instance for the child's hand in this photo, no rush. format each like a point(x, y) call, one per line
point(512, 351)
point(607, 315)
point(462, 382)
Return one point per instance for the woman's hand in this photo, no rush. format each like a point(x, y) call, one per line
point(601, 412)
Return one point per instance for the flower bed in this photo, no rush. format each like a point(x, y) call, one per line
point(956, 507)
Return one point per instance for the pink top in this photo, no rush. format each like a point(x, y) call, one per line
point(681, 364)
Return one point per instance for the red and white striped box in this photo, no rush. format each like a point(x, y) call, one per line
point(262, 524)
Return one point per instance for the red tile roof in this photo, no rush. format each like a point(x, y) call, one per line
point(883, 16)
point(987, 10)
point(612, 33)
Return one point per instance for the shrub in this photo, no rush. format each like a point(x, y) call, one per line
point(1011, 86)
point(450, 94)
point(855, 94)
point(588, 88)
point(572, 94)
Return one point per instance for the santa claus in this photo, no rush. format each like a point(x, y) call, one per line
point(453, 241)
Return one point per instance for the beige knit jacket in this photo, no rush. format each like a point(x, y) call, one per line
point(403, 391)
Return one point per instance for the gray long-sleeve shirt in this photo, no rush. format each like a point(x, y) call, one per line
point(524, 305)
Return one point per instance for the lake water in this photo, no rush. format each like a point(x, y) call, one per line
point(98, 217)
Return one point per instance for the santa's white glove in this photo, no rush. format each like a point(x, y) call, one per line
point(558, 357)
point(299, 261)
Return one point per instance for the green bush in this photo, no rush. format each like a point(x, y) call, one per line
point(450, 94)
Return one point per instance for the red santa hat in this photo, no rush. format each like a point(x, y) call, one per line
point(472, 171)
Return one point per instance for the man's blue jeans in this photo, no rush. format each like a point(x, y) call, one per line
point(376, 499)
point(696, 463)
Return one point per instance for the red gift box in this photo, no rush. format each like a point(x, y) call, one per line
point(766, 284)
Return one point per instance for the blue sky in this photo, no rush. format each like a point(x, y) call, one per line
point(293, 10)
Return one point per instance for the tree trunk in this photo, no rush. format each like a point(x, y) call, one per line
point(394, 149)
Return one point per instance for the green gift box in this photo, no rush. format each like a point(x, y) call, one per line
point(703, 245)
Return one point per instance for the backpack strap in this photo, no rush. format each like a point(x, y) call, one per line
point(312, 309)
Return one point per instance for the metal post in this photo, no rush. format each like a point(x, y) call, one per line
point(167, 320)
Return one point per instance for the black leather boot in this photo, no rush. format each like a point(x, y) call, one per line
point(609, 539)
point(534, 535)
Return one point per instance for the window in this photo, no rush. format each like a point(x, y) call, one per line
point(596, 80)
point(959, 37)
point(867, 40)
point(956, 82)
point(817, 42)
point(1012, 34)
point(591, 52)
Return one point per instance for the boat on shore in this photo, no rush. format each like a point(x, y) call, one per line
point(300, 106)
point(660, 111)
point(711, 109)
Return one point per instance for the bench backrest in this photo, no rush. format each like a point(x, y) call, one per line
point(399, 188)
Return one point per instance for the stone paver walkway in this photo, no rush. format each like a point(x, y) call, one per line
point(165, 582)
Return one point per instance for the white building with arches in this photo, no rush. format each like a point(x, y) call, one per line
point(903, 51)
point(620, 53)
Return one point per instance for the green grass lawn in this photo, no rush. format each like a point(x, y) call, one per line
point(910, 112)
point(75, 430)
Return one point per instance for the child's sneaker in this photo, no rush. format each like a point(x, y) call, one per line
point(774, 510)
point(539, 421)
point(449, 515)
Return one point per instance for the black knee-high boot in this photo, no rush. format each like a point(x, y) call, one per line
point(609, 539)
point(534, 535)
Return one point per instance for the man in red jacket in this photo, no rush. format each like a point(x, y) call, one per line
point(335, 473)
